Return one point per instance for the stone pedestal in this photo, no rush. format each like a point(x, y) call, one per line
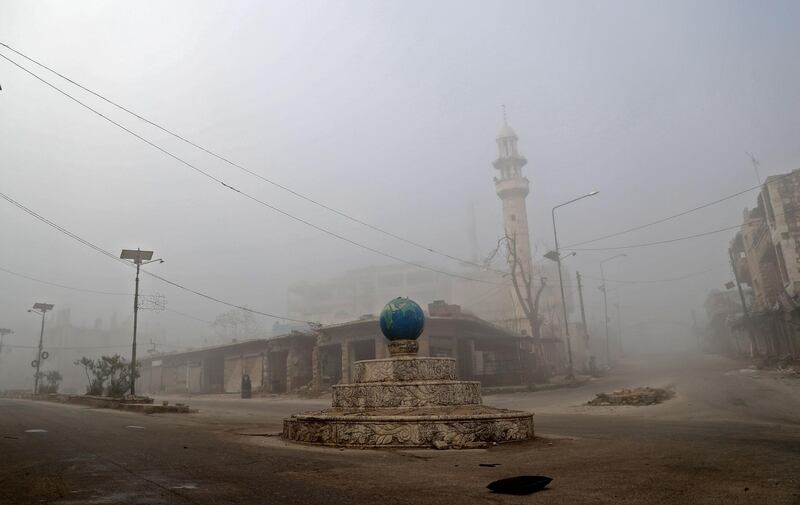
point(408, 401)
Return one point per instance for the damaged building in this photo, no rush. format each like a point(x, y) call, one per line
point(314, 360)
point(766, 256)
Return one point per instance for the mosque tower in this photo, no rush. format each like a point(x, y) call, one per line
point(512, 188)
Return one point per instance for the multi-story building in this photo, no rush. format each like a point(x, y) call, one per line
point(364, 292)
point(766, 255)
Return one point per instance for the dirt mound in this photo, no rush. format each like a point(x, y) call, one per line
point(637, 396)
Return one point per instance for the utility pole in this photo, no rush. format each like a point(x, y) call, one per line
point(570, 370)
point(605, 303)
point(139, 258)
point(39, 308)
point(3, 333)
point(605, 310)
point(619, 323)
point(744, 304)
point(583, 317)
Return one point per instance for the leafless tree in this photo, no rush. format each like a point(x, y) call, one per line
point(236, 324)
point(522, 279)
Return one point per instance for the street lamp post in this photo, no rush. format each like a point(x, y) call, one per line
point(605, 300)
point(39, 308)
point(139, 258)
point(570, 372)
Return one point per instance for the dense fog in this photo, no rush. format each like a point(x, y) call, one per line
point(381, 119)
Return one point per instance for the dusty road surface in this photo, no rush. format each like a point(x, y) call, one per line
point(731, 436)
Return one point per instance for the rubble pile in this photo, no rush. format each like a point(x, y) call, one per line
point(786, 365)
point(792, 370)
point(637, 397)
point(789, 366)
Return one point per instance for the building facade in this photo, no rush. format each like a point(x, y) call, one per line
point(766, 256)
point(314, 361)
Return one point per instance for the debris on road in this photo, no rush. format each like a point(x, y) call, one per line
point(789, 366)
point(520, 485)
point(785, 365)
point(636, 396)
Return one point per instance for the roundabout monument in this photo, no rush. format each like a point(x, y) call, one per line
point(407, 400)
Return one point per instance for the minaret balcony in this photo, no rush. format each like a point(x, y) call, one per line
point(510, 161)
point(512, 187)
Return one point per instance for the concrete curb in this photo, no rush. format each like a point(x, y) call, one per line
point(142, 404)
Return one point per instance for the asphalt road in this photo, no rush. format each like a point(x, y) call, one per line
point(730, 436)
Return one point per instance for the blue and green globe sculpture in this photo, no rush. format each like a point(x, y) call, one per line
point(402, 322)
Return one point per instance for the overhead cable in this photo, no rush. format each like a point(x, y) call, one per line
point(94, 291)
point(109, 293)
point(129, 264)
point(653, 281)
point(674, 216)
point(241, 167)
point(658, 242)
point(679, 239)
point(253, 198)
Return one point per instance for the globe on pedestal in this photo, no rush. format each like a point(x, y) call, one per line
point(402, 319)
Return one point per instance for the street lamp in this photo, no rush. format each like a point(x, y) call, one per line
point(570, 374)
point(605, 299)
point(139, 258)
point(39, 308)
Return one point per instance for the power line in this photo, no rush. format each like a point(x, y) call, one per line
point(71, 348)
point(81, 347)
point(654, 281)
point(659, 221)
point(687, 237)
point(255, 174)
point(187, 316)
point(93, 291)
point(343, 214)
point(668, 218)
point(239, 166)
point(34, 279)
point(658, 242)
point(130, 265)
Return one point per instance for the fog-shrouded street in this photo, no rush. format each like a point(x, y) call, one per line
point(731, 435)
point(399, 252)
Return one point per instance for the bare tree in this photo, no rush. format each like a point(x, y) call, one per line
point(236, 324)
point(522, 280)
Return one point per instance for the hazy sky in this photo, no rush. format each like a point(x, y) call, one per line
point(388, 111)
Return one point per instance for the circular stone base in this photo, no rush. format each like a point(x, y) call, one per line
point(434, 427)
point(404, 368)
point(406, 394)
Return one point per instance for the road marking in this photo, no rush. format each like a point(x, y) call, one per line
point(135, 427)
point(184, 486)
point(36, 430)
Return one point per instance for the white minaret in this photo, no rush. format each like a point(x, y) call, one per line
point(513, 188)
